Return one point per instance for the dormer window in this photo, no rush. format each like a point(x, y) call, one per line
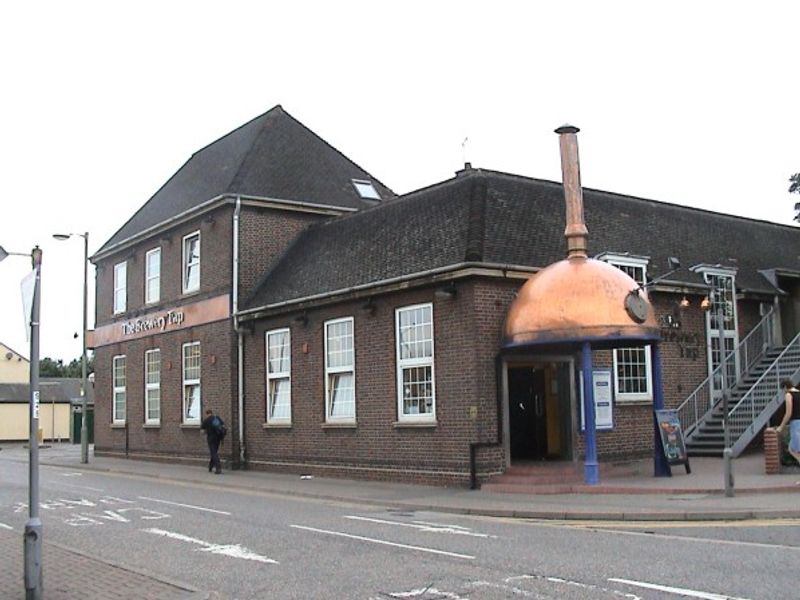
point(365, 189)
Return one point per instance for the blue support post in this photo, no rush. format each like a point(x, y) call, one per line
point(660, 466)
point(591, 468)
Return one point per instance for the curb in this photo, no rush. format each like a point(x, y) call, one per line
point(533, 514)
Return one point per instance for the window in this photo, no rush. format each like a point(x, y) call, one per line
point(152, 276)
point(152, 387)
point(120, 287)
point(119, 407)
point(279, 379)
point(191, 383)
point(632, 366)
point(191, 262)
point(365, 189)
point(415, 381)
point(340, 399)
point(721, 322)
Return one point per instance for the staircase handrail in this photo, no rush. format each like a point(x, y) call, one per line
point(765, 391)
point(691, 411)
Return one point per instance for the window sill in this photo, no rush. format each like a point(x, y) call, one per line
point(347, 425)
point(152, 425)
point(276, 425)
point(186, 293)
point(119, 425)
point(190, 425)
point(644, 402)
point(415, 424)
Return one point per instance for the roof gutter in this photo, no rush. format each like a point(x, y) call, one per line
point(525, 272)
point(213, 203)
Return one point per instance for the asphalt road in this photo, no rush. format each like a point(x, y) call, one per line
point(256, 546)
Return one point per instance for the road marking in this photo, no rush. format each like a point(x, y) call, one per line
point(686, 538)
point(384, 542)
point(678, 591)
point(71, 474)
point(4, 526)
point(422, 526)
point(84, 487)
point(434, 593)
point(211, 510)
point(232, 550)
point(571, 583)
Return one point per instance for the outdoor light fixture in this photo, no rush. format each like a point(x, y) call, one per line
point(302, 319)
point(84, 386)
point(684, 303)
point(705, 304)
point(447, 293)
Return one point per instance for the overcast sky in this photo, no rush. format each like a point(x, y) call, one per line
point(694, 103)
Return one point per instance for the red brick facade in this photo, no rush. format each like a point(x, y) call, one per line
point(467, 339)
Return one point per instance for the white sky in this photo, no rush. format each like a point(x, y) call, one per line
point(694, 103)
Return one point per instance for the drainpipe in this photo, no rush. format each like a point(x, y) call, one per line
point(473, 447)
point(239, 335)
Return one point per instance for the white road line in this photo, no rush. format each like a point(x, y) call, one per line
point(4, 526)
point(384, 542)
point(83, 487)
point(421, 526)
point(686, 538)
point(232, 550)
point(211, 510)
point(678, 591)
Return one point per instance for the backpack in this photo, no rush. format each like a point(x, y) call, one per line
point(218, 427)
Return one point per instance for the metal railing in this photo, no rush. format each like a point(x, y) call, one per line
point(750, 350)
point(761, 401)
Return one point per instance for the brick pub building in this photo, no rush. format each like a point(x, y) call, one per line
point(342, 330)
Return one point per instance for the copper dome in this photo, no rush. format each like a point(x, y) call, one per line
point(580, 299)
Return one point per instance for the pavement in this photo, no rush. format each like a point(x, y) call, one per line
point(693, 497)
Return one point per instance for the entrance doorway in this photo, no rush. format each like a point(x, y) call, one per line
point(539, 411)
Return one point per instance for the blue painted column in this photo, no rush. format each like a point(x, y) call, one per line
point(660, 464)
point(591, 470)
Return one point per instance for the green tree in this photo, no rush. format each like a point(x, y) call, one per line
point(49, 367)
point(794, 188)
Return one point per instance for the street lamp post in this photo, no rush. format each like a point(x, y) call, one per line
point(727, 453)
point(32, 537)
point(84, 383)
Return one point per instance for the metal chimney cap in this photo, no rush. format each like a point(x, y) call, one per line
point(566, 128)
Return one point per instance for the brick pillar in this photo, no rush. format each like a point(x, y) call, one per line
point(772, 452)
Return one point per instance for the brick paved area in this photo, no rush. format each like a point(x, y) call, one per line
point(70, 575)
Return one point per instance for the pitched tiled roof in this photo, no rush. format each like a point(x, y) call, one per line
point(51, 389)
point(273, 156)
point(491, 217)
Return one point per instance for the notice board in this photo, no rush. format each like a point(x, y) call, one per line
point(669, 427)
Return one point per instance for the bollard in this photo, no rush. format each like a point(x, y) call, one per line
point(772, 452)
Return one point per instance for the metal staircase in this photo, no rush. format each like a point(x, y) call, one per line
point(754, 393)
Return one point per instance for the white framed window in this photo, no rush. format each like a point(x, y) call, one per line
point(191, 262)
point(340, 377)
point(152, 387)
point(633, 374)
point(120, 287)
point(722, 282)
point(279, 376)
point(152, 276)
point(191, 383)
point(416, 396)
point(120, 403)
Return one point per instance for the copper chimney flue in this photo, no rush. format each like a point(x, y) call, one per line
point(576, 232)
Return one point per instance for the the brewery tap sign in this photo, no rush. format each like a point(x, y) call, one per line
point(669, 427)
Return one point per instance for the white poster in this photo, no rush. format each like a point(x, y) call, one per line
point(28, 285)
point(603, 399)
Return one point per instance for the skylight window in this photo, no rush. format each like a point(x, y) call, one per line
point(365, 189)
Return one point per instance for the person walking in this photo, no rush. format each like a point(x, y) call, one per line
point(215, 433)
point(791, 415)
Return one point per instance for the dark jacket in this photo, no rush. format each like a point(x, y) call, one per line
point(211, 431)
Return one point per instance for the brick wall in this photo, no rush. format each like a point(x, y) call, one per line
point(171, 438)
point(264, 235)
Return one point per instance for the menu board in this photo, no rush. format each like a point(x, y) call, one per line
point(669, 427)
